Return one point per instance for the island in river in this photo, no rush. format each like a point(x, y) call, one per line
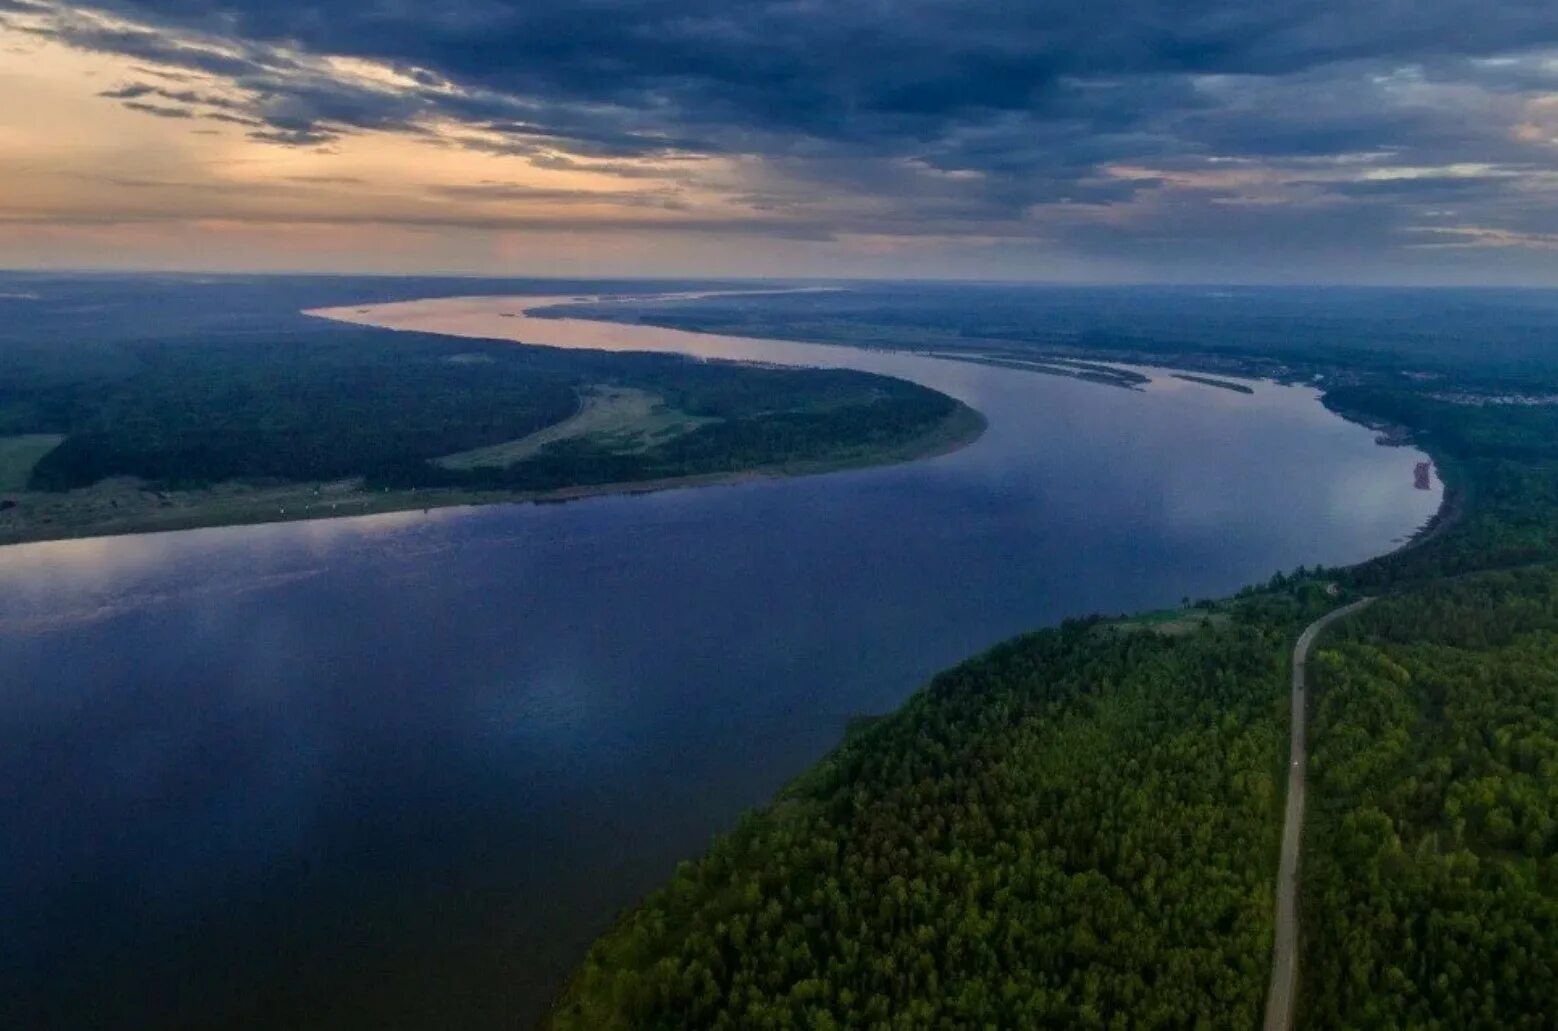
point(124, 435)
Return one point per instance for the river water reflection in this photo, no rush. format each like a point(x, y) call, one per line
point(396, 771)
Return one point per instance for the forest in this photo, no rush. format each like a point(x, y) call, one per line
point(353, 405)
point(1079, 828)
point(1075, 828)
point(296, 401)
point(1431, 879)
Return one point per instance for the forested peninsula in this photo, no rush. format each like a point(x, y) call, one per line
point(133, 427)
point(1080, 827)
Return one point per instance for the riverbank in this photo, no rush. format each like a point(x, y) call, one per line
point(121, 506)
point(555, 703)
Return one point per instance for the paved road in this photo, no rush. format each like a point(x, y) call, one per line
point(1284, 952)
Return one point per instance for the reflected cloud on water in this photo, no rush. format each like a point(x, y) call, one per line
point(482, 732)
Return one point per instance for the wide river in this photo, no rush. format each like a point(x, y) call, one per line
point(396, 771)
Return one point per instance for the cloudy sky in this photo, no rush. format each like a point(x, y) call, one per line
point(1177, 140)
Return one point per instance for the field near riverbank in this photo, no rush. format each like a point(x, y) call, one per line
point(126, 436)
point(121, 505)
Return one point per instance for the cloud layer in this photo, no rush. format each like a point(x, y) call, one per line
point(1215, 131)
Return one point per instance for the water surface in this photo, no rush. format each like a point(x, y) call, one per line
point(396, 771)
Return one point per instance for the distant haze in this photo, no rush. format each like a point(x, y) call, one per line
point(1125, 140)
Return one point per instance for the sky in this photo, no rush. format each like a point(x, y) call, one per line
point(1326, 141)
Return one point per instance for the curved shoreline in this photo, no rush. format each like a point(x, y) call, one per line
point(260, 505)
point(1452, 505)
point(962, 566)
point(140, 508)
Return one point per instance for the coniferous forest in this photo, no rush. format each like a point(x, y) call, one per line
point(1079, 828)
point(1432, 856)
point(925, 323)
point(1077, 825)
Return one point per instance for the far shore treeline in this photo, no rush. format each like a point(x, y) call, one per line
point(162, 411)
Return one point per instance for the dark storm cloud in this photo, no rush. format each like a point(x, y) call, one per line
point(293, 137)
point(1438, 189)
point(158, 110)
point(880, 76)
point(141, 44)
point(903, 116)
point(129, 92)
point(821, 66)
point(148, 92)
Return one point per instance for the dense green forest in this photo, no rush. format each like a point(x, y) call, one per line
point(1076, 826)
point(1431, 883)
point(321, 403)
point(1479, 338)
point(1079, 829)
point(372, 404)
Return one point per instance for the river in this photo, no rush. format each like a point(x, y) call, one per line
point(397, 771)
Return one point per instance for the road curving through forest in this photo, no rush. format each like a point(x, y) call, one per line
point(1284, 952)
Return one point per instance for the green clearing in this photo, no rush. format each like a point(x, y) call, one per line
point(618, 419)
point(1172, 622)
point(125, 435)
point(20, 453)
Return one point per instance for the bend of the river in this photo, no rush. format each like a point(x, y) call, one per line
point(397, 771)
